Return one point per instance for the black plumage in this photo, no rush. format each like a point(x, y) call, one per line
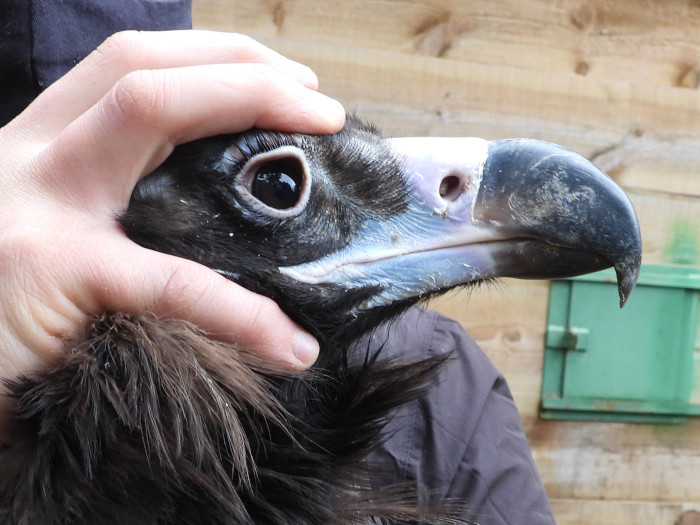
point(148, 421)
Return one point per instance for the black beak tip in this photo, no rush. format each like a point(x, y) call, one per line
point(627, 272)
point(543, 191)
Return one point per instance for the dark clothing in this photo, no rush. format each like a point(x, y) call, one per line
point(40, 40)
point(462, 441)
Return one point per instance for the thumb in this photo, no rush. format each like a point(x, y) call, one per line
point(169, 286)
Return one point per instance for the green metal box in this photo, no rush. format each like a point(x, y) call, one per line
point(635, 364)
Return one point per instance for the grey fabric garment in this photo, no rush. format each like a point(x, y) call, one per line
point(463, 441)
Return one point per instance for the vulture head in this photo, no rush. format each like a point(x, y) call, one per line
point(344, 230)
point(149, 421)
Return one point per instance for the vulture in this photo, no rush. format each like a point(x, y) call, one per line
point(147, 420)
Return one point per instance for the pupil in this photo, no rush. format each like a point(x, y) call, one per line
point(278, 184)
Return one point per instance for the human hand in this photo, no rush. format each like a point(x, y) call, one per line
point(70, 161)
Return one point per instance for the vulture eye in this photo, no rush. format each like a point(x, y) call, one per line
point(278, 183)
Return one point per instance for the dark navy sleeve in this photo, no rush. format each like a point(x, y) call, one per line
point(462, 441)
point(41, 40)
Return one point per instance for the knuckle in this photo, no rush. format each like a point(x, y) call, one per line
point(187, 293)
point(264, 313)
point(264, 328)
point(139, 97)
point(175, 291)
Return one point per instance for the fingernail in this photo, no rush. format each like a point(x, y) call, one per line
point(305, 348)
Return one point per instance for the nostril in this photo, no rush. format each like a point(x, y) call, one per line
point(450, 188)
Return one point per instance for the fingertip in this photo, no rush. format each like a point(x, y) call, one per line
point(313, 113)
point(329, 114)
point(335, 115)
point(305, 348)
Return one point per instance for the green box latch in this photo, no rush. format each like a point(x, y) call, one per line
point(635, 364)
point(564, 338)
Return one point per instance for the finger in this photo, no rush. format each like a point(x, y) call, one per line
point(146, 281)
point(136, 125)
point(130, 51)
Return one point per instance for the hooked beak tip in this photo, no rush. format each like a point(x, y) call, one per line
point(627, 275)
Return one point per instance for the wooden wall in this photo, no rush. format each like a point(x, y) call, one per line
point(615, 80)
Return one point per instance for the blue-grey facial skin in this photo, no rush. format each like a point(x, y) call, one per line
point(459, 227)
point(422, 249)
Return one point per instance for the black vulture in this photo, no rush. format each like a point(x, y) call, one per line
point(147, 420)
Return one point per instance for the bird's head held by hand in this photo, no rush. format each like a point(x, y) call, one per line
point(344, 230)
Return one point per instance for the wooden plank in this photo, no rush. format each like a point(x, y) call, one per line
point(450, 92)
point(618, 461)
point(626, 39)
point(670, 227)
point(607, 512)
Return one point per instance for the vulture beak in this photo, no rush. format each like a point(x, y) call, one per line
point(479, 210)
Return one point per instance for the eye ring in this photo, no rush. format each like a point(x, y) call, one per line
point(276, 182)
